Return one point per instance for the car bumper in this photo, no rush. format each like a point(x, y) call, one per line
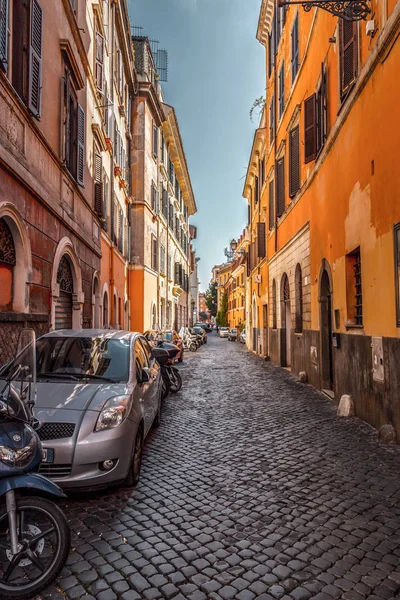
point(77, 463)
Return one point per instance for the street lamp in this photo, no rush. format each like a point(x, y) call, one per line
point(349, 10)
point(230, 254)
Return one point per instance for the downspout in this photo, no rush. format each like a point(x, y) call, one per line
point(275, 122)
point(112, 315)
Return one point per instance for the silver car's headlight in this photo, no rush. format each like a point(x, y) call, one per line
point(114, 412)
point(18, 458)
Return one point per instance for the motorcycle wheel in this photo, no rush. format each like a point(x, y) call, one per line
point(193, 347)
point(45, 537)
point(175, 380)
point(165, 386)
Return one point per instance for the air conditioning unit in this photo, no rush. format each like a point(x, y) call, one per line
point(257, 278)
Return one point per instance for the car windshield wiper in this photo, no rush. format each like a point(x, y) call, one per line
point(58, 375)
point(90, 376)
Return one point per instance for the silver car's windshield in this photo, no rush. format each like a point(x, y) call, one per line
point(77, 358)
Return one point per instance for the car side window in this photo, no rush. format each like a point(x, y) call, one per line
point(141, 361)
point(146, 350)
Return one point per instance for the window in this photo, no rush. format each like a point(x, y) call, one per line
point(27, 42)
point(261, 240)
point(281, 20)
point(74, 131)
point(295, 48)
point(348, 49)
point(99, 67)
point(321, 111)
point(271, 47)
point(154, 252)
point(171, 216)
point(271, 206)
point(354, 289)
point(4, 25)
point(261, 172)
point(310, 141)
point(154, 198)
point(397, 270)
point(256, 190)
point(299, 300)
point(106, 209)
point(171, 172)
point(98, 183)
point(272, 120)
point(281, 86)
point(120, 230)
point(280, 186)
point(177, 189)
point(163, 153)
point(162, 259)
point(169, 267)
point(155, 141)
point(274, 319)
point(165, 203)
point(294, 161)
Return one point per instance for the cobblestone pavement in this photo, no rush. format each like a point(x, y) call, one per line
point(251, 488)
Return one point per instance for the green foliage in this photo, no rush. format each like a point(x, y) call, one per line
point(222, 316)
point(212, 298)
point(258, 103)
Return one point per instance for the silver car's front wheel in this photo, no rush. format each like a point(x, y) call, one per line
point(136, 464)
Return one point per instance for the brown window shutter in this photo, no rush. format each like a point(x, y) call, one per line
point(261, 240)
point(98, 184)
point(280, 186)
point(271, 207)
point(294, 165)
point(80, 156)
point(310, 129)
point(348, 35)
point(99, 62)
point(35, 59)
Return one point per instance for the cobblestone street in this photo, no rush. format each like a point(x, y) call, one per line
point(251, 488)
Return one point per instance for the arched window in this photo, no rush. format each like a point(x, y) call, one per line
point(299, 299)
point(105, 310)
point(274, 319)
point(7, 264)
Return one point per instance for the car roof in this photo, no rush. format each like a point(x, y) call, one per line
point(116, 334)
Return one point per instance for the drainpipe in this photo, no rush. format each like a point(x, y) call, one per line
point(112, 37)
point(275, 120)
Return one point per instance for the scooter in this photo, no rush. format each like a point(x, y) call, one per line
point(34, 534)
point(165, 354)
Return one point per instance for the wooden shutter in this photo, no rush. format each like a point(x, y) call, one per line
point(120, 230)
point(155, 140)
point(99, 61)
point(271, 212)
point(348, 34)
point(256, 190)
point(35, 59)
point(4, 11)
point(105, 203)
point(126, 238)
point(295, 48)
point(310, 141)
point(98, 184)
point(280, 186)
point(261, 240)
point(272, 120)
point(294, 165)
point(80, 155)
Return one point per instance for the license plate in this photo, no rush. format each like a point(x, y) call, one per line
point(47, 455)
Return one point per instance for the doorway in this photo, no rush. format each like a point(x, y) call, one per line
point(286, 322)
point(326, 332)
point(265, 329)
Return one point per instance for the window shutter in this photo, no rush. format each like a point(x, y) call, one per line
point(280, 187)
point(98, 184)
point(261, 240)
point(126, 229)
point(295, 48)
point(115, 222)
point(272, 120)
point(120, 230)
point(271, 207)
point(4, 9)
point(80, 155)
point(294, 157)
point(35, 59)
point(309, 129)
point(105, 204)
point(281, 89)
point(348, 35)
point(99, 62)
point(155, 140)
point(256, 190)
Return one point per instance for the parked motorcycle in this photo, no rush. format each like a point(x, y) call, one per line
point(189, 341)
point(165, 354)
point(34, 534)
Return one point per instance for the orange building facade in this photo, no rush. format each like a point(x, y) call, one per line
point(324, 256)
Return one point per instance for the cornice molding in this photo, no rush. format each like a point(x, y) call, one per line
point(265, 21)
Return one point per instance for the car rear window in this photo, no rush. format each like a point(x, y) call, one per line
point(78, 356)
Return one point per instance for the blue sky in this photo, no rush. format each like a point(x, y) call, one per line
point(216, 71)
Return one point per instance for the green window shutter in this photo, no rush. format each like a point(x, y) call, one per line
point(280, 186)
point(310, 141)
point(294, 164)
point(271, 207)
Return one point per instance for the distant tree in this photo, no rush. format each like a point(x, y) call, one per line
point(222, 316)
point(212, 298)
point(203, 316)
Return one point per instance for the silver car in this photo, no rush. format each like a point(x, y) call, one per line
point(223, 332)
point(98, 394)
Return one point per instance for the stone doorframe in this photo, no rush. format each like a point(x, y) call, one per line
point(66, 248)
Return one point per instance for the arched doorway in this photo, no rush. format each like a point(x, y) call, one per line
point(105, 310)
point(286, 321)
point(7, 264)
point(63, 312)
point(96, 303)
point(326, 331)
